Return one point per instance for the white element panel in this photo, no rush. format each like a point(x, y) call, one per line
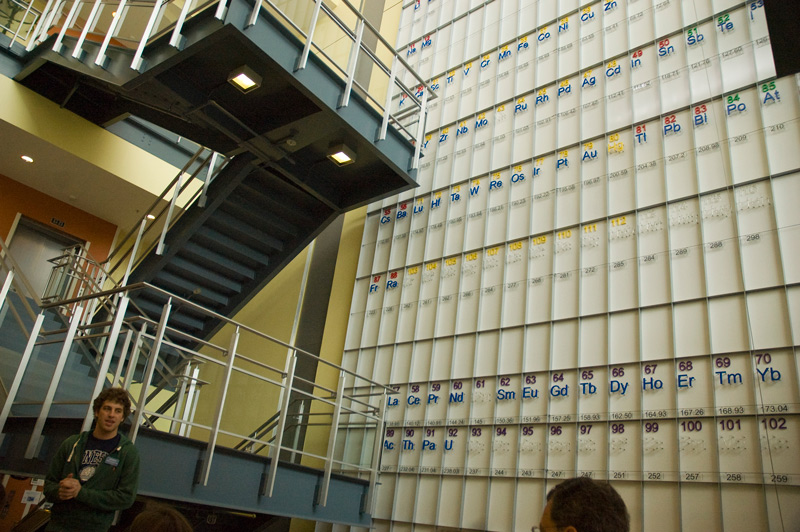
point(593, 180)
point(428, 300)
point(679, 155)
point(568, 47)
point(776, 381)
point(733, 388)
point(469, 296)
point(563, 398)
point(623, 282)
point(443, 165)
point(441, 366)
point(645, 81)
point(491, 293)
point(696, 440)
point(383, 364)
point(506, 73)
point(442, 49)
point(649, 157)
point(527, 509)
point(568, 122)
point(483, 397)
point(565, 345)
point(653, 254)
point(515, 287)
point(745, 136)
point(526, 63)
point(560, 446)
point(641, 28)
point(672, 71)
point(496, 212)
point(407, 313)
point(391, 308)
point(686, 252)
point(690, 322)
point(501, 500)
point(368, 240)
point(419, 229)
point(593, 269)
point(533, 409)
point(615, 34)
point(757, 236)
point(383, 245)
point(544, 185)
point(721, 244)
point(780, 112)
point(401, 365)
point(427, 490)
point(486, 80)
point(507, 408)
point(591, 34)
point(592, 449)
point(593, 103)
point(786, 190)
point(482, 148)
point(702, 57)
point(623, 341)
point(434, 243)
point(436, 405)
point(624, 393)
point(565, 275)
point(728, 324)
point(656, 335)
point(491, 26)
point(697, 499)
point(450, 498)
point(527, 16)
point(694, 11)
point(501, 141)
point(448, 297)
point(402, 229)
point(522, 145)
point(474, 35)
point(568, 195)
point(710, 141)
point(759, 34)
point(621, 188)
point(355, 324)
point(428, 160)
point(475, 216)
point(625, 450)
point(464, 144)
point(737, 63)
point(769, 322)
point(475, 494)
point(618, 93)
point(668, 18)
point(512, 349)
point(449, 104)
point(546, 63)
point(545, 104)
point(520, 199)
point(659, 391)
point(592, 404)
point(593, 346)
point(415, 400)
point(537, 349)
point(743, 507)
point(661, 502)
point(373, 311)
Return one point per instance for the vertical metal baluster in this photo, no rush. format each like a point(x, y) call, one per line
point(303, 59)
point(337, 410)
point(387, 108)
point(286, 394)
point(344, 100)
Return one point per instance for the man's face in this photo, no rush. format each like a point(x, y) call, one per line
point(546, 524)
point(109, 416)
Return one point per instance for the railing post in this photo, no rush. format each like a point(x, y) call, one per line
point(23, 365)
point(212, 440)
point(344, 100)
point(6, 287)
point(423, 111)
point(101, 53)
point(377, 446)
point(78, 50)
point(151, 368)
point(136, 64)
point(33, 37)
point(105, 363)
point(275, 452)
point(189, 404)
point(337, 410)
point(51, 390)
point(201, 202)
point(133, 252)
point(303, 59)
point(123, 355)
point(387, 107)
point(178, 185)
point(176, 38)
point(137, 347)
point(57, 46)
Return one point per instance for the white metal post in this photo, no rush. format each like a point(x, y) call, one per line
point(212, 440)
point(23, 365)
point(6, 287)
point(76, 52)
point(376, 456)
point(137, 347)
point(423, 110)
point(151, 368)
point(66, 25)
point(175, 40)
point(51, 390)
point(101, 54)
point(40, 27)
point(303, 59)
point(133, 252)
point(105, 363)
point(123, 355)
point(337, 410)
point(286, 394)
point(178, 185)
point(387, 107)
point(201, 202)
point(136, 64)
point(344, 100)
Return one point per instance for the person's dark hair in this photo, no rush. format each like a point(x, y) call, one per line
point(588, 506)
point(160, 518)
point(115, 395)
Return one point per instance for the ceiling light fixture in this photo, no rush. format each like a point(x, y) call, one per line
point(27, 158)
point(150, 217)
point(342, 155)
point(244, 79)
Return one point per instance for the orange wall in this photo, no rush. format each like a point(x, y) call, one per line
point(18, 198)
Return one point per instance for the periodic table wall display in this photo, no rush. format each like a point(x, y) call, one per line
point(597, 275)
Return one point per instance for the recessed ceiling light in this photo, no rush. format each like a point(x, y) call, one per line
point(342, 155)
point(150, 217)
point(244, 79)
point(27, 158)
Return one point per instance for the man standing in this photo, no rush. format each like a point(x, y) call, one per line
point(94, 473)
point(584, 505)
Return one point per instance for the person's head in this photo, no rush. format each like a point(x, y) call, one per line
point(111, 407)
point(584, 505)
point(160, 518)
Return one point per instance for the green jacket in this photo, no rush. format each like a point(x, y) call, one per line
point(111, 488)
